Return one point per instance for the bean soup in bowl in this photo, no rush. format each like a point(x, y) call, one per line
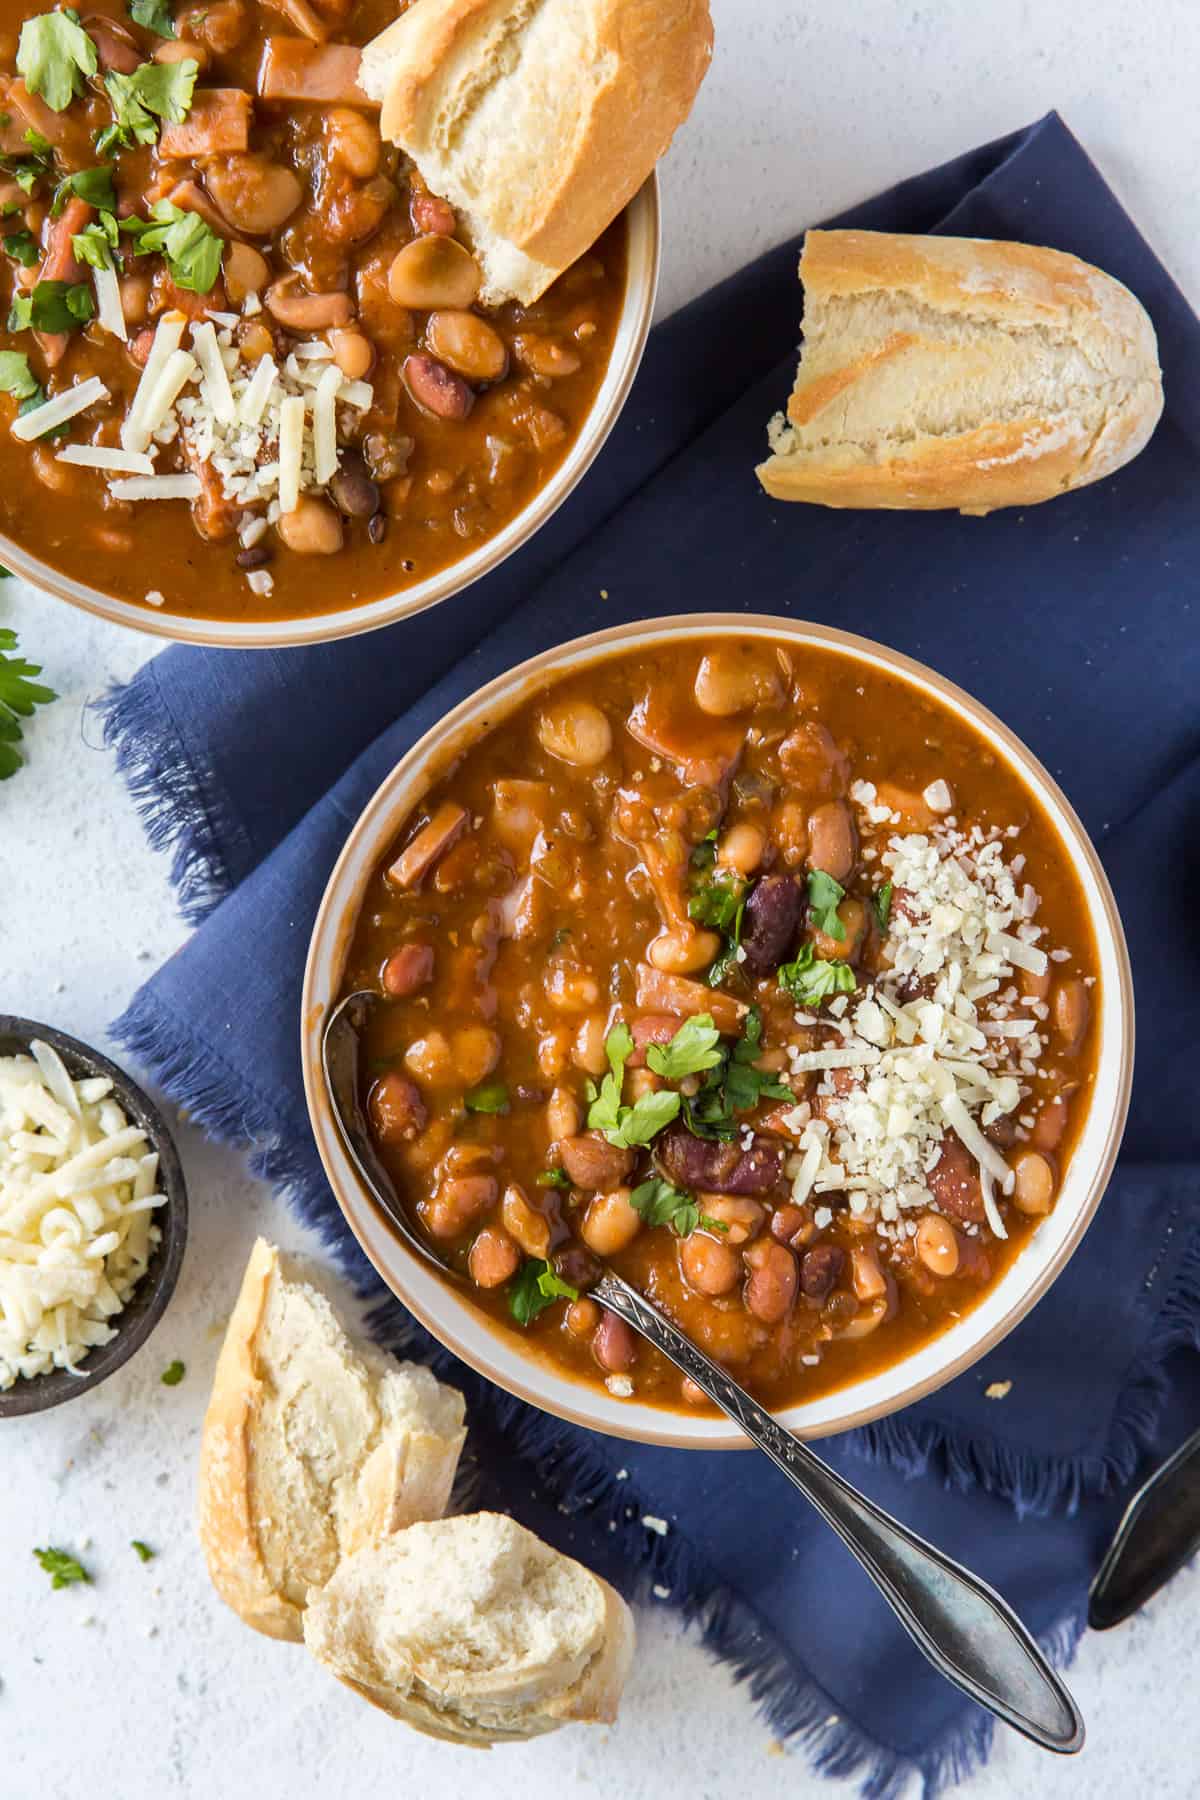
point(753, 965)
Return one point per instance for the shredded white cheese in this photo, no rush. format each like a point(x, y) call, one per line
point(78, 1189)
point(156, 487)
point(291, 450)
point(217, 391)
point(325, 455)
point(44, 418)
point(135, 434)
point(109, 310)
point(99, 456)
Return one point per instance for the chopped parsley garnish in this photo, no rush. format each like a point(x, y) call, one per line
point(93, 185)
point(488, 1097)
point(54, 56)
point(556, 1178)
point(153, 92)
point(535, 1287)
point(152, 15)
point(27, 171)
point(22, 246)
point(16, 377)
point(19, 693)
point(96, 244)
point(881, 904)
point(63, 1569)
point(145, 1553)
point(173, 1374)
point(52, 306)
point(717, 902)
point(809, 980)
point(192, 249)
point(824, 895)
point(658, 1202)
point(695, 1047)
point(627, 1127)
point(705, 853)
point(734, 1086)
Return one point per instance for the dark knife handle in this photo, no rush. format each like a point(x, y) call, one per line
point(1158, 1534)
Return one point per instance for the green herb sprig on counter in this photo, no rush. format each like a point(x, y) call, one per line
point(534, 1287)
point(173, 1374)
point(19, 695)
point(63, 1569)
point(144, 1552)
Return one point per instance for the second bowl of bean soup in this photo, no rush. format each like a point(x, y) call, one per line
point(757, 963)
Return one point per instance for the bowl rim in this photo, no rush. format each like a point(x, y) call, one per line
point(644, 213)
point(426, 761)
point(41, 1393)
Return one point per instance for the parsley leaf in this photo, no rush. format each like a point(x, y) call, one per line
point(144, 1551)
point(882, 905)
point(716, 903)
point(694, 1048)
point(535, 1287)
point(810, 981)
point(19, 694)
point(488, 1097)
point(627, 1127)
point(556, 1178)
point(93, 185)
point(96, 244)
point(705, 853)
point(27, 171)
point(154, 91)
point(192, 249)
point(62, 1568)
point(736, 1086)
point(642, 1122)
point(152, 15)
point(15, 375)
point(173, 1374)
point(824, 893)
point(22, 246)
point(52, 306)
point(54, 55)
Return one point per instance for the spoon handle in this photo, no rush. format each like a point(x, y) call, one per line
point(969, 1634)
point(1160, 1531)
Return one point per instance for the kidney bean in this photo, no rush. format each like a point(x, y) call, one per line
point(789, 1222)
point(576, 1266)
point(771, 1288)
point(615, 1345)
point(432, 215)
point(692, 1162)
point(595, 1164)
point(774, 914)
point(407, 970)
point(954, 1181)
point(436, 388)
point(397, 1109)
point(821, 1270)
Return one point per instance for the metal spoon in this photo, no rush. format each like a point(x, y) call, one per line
point(1159, 1532)
point(969, 1634)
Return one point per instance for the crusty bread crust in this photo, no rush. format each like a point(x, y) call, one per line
point(628, 94)
point(227, 1531)
point(959, 372)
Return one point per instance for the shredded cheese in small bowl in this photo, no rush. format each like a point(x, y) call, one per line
point(93, 1217)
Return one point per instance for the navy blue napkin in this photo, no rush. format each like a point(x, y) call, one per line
point(1077, 622)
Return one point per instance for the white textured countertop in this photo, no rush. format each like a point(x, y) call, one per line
point(143, 1685)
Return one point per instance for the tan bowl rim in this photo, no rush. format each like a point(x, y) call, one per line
point(645, 210)
point(518, 681)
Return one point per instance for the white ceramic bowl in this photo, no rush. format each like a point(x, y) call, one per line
point(641, 288)
point(497, 1354)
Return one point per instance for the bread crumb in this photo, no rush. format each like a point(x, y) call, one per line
point(997, 1390)
point(653, 1524)
point(661, 1593)
point(619, 1386)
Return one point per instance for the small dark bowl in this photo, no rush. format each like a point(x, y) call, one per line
point(148, 1302)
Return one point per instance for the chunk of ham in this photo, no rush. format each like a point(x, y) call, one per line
point(61, 264)
point(433, 840)
point(217, 124)
point(318, 74)
point(705, 751)
point(661, 993)
point(215, 517)
point(305, 18)
point(166, 297)
point(115, 48)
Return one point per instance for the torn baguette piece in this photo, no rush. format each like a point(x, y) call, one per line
point(538, 120)
point(959, 372)
point(473, 1630)
point(312, 1448)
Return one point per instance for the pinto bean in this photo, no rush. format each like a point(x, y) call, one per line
point(692, 1162)
point(432, 272)
point(773, 916)
point(832, 840)
point(397, 1111)
point(937, 1245)
point(1071, 1010)
point(255, 195)
point(771, 1289)
point(468, 344)
point(866, 1276)
point(735, 678)
point(744, 1219)
point(742, 848)
point(287, 302)
point(562, 1114)
point(954, 1181)
point(685, 950)
point(610, 1223)
point(458, 1202)
point(1033, 1188)
point(595, 1164)
point(431, 215)
point(1047, 1133)
point(790, 1224)
point(615, 1345)
point(821, 1270)
point(709, 1266)
point(407, 970)
point(523, 1221)
point(493, 1258)
point(437, 389)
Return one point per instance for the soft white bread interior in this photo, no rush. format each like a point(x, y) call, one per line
point(312, 1448)
point(473, 1630)
point(959, 372)
point(537, 119)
